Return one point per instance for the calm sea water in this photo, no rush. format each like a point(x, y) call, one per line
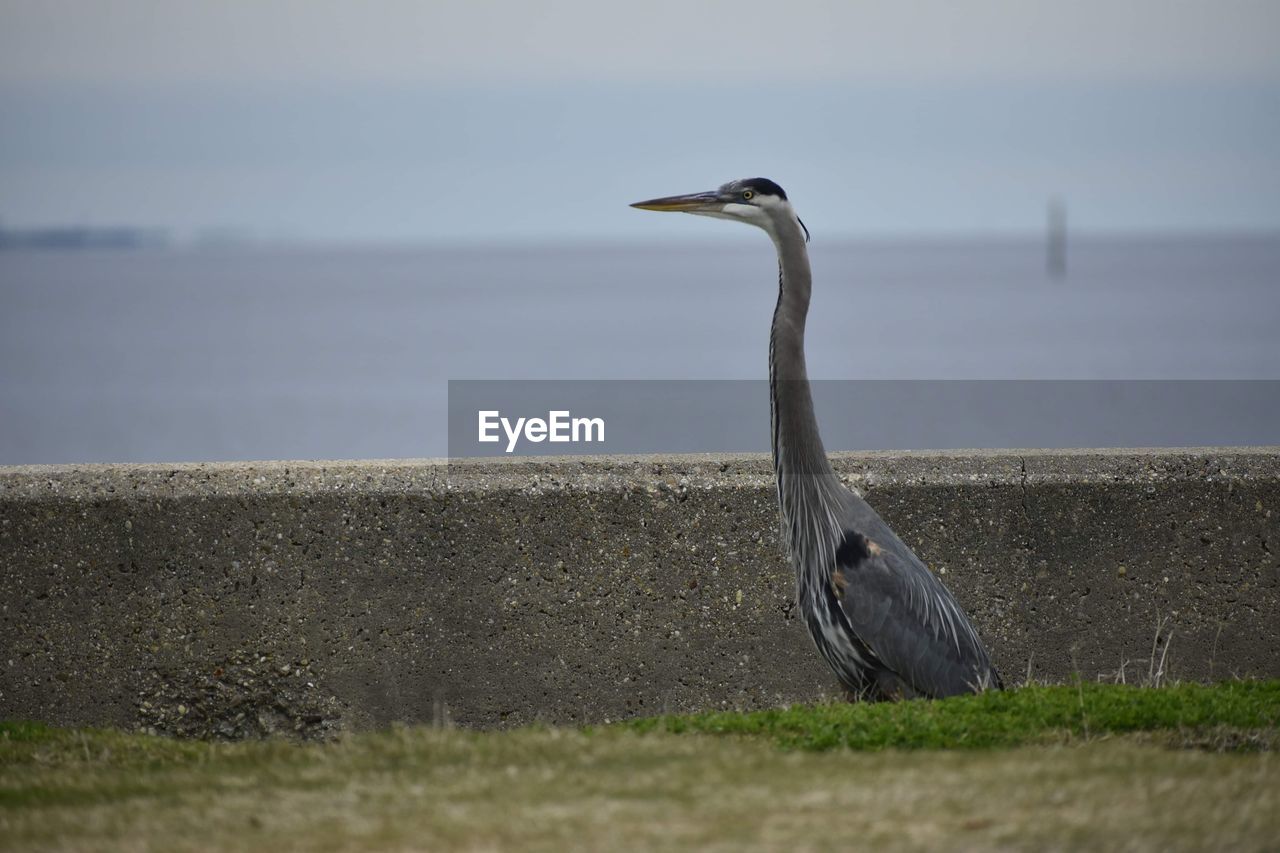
point(327, 353)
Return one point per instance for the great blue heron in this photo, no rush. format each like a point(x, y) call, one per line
point(880, 618)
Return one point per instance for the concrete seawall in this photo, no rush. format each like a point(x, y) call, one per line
point(238, 599)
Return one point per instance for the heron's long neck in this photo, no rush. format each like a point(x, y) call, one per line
point(798, 455)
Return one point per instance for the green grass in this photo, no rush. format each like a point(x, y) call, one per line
point(1241, 713)
point(1085, 766)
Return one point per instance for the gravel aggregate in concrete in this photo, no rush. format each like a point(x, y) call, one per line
point(241, 599)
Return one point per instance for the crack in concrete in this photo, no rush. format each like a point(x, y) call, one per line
point(1022, 487)
point(1029, 539)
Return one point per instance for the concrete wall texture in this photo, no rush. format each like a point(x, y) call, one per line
point(232, 600)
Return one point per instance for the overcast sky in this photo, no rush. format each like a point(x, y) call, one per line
point(441, 121)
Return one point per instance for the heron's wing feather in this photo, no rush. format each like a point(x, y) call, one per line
point(908, 618)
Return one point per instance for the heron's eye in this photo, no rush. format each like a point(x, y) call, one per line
point(747, 195)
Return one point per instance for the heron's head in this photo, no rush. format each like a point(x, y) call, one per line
point(757, 201)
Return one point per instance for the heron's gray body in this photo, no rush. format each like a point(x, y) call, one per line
point(884, 623)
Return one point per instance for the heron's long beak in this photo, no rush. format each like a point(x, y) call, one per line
point(692, 203)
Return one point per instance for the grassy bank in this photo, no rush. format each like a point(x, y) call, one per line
point(1234, 715)
point(1086, 766)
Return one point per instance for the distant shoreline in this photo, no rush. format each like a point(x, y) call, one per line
point(77, 237)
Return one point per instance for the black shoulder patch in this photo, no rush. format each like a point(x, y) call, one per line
point(852, 550)
point(765, 186)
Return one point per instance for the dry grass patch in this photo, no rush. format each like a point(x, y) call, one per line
point(616, 788)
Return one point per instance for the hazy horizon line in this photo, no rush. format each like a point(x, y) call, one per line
point(160, 239)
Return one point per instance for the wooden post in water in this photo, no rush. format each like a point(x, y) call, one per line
point(1056, 249)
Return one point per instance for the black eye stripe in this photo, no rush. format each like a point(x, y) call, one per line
point(762, 186)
